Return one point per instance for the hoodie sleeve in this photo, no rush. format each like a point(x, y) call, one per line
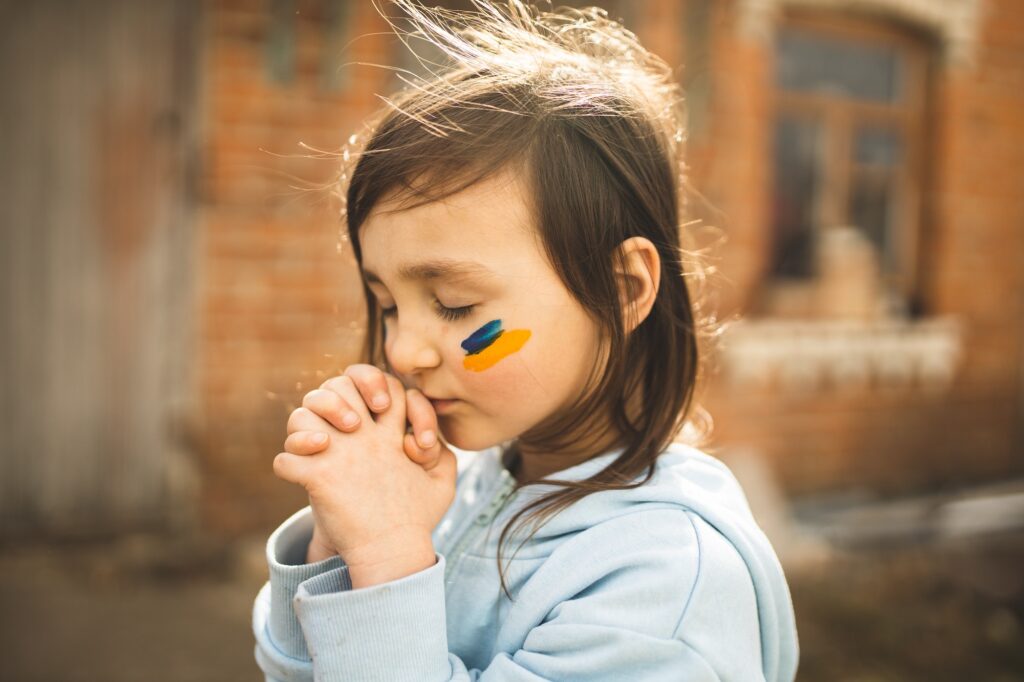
point(652, 595)
point(281, 651)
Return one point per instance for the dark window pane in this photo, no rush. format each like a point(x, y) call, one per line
point(815, 63)
point(797, 183)
point(876, 147)
point(871, 198)
point(876, 156)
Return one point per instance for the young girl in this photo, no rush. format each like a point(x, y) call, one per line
point(531, 358)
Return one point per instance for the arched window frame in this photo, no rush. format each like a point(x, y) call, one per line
point(838, 118)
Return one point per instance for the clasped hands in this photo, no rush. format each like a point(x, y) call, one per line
point(376, 491)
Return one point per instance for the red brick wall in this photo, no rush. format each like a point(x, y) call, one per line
point(278, 301)
point(729, 160)
point(979, 245)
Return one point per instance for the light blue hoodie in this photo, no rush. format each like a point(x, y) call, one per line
point(673, 580)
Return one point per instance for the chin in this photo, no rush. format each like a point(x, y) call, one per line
point(467, 438)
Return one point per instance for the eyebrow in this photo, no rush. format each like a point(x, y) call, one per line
point(440, 268)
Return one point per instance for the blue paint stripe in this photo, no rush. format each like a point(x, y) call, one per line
point(482, 337)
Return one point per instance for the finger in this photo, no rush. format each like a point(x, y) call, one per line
point(304, 419)
point(433, 459)
point(414, 452)
point(346, 388)
point(447, 463)
point(372, 385)
point(426, 458)
point(394, 417)
point(422, 417)
point(291, 468)
point(426, 438)
point(306, 442)
point(331, 406)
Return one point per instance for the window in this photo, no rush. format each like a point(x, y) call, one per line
point(848, 140)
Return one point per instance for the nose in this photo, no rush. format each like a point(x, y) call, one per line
point(410, 348)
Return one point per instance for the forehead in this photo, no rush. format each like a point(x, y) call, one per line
point(434, 269)
point(488, 224)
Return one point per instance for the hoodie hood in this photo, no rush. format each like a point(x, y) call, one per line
point(684, 477)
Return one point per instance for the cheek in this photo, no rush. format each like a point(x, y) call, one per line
point(511, 370)
point(507, 381)
point(491, 344)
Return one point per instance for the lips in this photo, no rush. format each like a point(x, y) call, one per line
point(442, 405)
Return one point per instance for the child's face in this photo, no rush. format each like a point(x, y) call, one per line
point(523, 349)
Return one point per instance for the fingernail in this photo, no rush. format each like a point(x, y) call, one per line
point(350, 419)
point(380, 401)
point(427, 439)
point(320, 439)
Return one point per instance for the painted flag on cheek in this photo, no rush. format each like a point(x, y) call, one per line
point(489, 344)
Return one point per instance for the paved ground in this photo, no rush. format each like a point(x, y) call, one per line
point(914, 613)
point(126, 611)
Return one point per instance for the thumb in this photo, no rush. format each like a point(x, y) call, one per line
point(427, 458)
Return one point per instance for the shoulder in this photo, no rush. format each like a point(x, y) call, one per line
point(650, 562)
point(656, 532)
point(678, 560)
point(653, 575)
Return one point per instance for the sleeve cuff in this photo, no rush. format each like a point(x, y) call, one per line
point(395, 630)
point(286, 554)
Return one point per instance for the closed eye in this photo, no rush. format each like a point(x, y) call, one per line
point(443, 311)
point(452, 314)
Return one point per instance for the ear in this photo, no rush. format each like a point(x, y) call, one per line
point(638, 274)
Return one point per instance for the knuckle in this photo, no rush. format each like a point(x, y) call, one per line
point(375, 383)
point(323, 400)
point(338, 383)
point(298, 415)
point(360, 368)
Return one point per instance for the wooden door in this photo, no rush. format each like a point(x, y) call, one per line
point(96, 252)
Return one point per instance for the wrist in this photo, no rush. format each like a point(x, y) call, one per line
point(318, 550)
point(390, 559)
point(317, 553)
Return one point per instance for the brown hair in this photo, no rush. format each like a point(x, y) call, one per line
point(592, 123)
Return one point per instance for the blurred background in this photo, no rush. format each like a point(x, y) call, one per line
point(174, 283)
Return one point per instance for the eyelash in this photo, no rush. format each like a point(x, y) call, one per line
point(446, 313)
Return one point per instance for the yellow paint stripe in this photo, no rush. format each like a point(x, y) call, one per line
point(506, 344)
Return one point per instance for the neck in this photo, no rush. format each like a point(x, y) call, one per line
point(528, 460)
point(527, 463)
